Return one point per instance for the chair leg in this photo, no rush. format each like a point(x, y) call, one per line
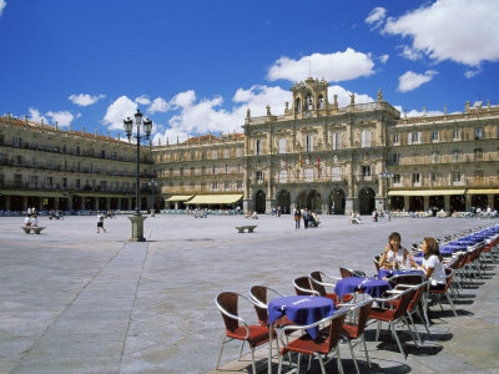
point(220, 353)
point(353, 356)
point(253, 365)
point(425, 322)
point(279, 368)
point(338, 360)
point(419, 343)
point(241, 351)
point(394, 333)
point(365, 349)
point(451, 304)
point(323, 368)
point(377, 330)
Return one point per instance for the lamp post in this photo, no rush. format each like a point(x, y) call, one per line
point(385, 175)
point(137, 219)
point(153, 184)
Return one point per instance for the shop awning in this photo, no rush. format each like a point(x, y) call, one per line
point(179, 198)
point(425, 192)
point(215, 199)
point(32, 193)
point(482, 192)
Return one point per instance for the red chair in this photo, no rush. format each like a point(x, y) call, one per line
point(237, 328)
point(346, 273)
point(356, 331)
point(318, 284)
point(444, 291)
point(400, 305)
point(326, 342)
point(259, 297)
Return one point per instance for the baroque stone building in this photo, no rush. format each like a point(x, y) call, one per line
point(316, 155)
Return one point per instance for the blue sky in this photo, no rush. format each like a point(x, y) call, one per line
point(195, 66)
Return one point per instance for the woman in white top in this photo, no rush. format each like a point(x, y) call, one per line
point(395, 256)
point(432, 264)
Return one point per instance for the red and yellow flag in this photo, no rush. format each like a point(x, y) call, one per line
point(318, 163)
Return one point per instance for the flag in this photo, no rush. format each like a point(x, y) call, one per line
point(300, 161)
point(318, 163)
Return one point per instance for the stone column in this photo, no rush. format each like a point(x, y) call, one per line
point(137, 228)
point(25, 203)
point(467, 202)
point(7, 202)
point(407, 200)
point(490, 200)
point(96, 203)
point(426, 203)
point(446, 202)
point(56, 203)
point(108, 203)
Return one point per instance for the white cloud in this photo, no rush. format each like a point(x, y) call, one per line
point(410, 81)
point(158, 105)
point(85, 99)
point(143, 100)
point(3, 4)
point(120, 109)
point(384, 59)
point(344, 96)
point(35, 116)
point(63, 117)
point(459, 30)
point(203, 116)
point(334, 67)
point(472, 72)
point(430, 113)
point(376, 17)
point(411, 54)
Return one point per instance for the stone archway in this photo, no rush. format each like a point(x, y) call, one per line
point(314, 201)
point(337, 201)
point(367, 200)
point(259, 202)
point(284, 201)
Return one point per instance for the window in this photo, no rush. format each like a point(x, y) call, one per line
point(396, 179)
point(238, 168)
point(258, 147)
point(478, 152)
point(435, 157)
point(239, 152)
point(395, 159)
point(213, 169)
point(227, 169)
point(2, 139)
point(283, 176)
point(214, 185)
point(18, 142)
point(478, 175)
point(415, 178)
point(415, 137)
point(456, 156)
point(259, 175)
point(433, 177)
point(215, 154)
point(478, 133)
point(336, 141)
point(78, 150)
point(321, 102)
point(456, 134)
point(396, 139)
point(203, 170)
point(18, 180)
point(181, 171)
point(336, 173)
point(365, 140)
point(309, 175)
point(78, 183)
point(192, 172)
point(227, 185)
point(33, 181)
point(309, 143)
point(64, 182)
point(239, 185)
point(103, 154)
point(50, 181)
point(434, 136)
point(282, 145)
point(227, 153)
point(366, 171)
point(456, 176)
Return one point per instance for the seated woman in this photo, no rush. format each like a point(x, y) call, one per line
point(395, 256)
point(432, 264)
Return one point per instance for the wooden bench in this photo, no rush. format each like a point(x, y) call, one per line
point(242, 229)
point(36, 229)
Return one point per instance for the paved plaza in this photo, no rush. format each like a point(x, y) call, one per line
point(74, 301)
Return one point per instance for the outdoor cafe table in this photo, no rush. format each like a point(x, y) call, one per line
point(302, 310)
point(372, 286)
point(386, 273)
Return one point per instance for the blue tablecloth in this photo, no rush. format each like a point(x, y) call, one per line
point(302, 310)
point(449, 249)
point(372, 286)
point(385, 273)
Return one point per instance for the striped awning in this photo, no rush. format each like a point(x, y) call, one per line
point(425, 192)
point(174, 198)
point(487, 191)
point(215, 199)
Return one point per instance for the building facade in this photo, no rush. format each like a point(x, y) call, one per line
point(317, 155)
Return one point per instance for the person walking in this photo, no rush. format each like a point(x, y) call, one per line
point(297, 217)
point(100, 222)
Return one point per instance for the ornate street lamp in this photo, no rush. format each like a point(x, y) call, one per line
point(385, 176)
point(153, 184)
point(137, 219)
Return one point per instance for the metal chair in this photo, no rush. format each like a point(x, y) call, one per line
point(326, 342)
point(449, 273)
point(236, 328)
point(318, 284)
point(303, 287)
point(259, 297)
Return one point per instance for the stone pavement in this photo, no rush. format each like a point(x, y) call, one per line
point(74, 301)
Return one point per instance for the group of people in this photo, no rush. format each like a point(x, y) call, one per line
point(31, 219)
point(395, 257)
point(310, 219)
